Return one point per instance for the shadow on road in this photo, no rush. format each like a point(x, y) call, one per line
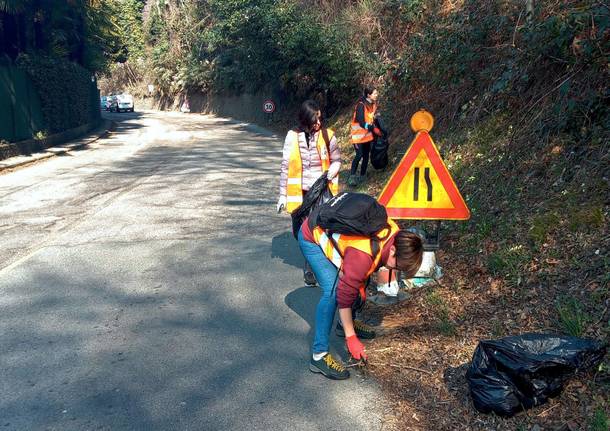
point(285, 247)
point(303, 301)
point(172, 316)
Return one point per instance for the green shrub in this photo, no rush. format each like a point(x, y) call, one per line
point(66, 92)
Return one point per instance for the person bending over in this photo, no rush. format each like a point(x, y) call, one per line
point(351, 265)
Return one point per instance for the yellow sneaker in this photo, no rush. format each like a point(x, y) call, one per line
point(329, 367)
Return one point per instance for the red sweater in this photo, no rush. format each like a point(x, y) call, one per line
point(356, 264)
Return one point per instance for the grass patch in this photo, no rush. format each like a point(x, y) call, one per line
point(586, 219)
point(496, 329)
point(542, 225)
point(509, 262)
point(573, 320)
point(599, 421)
point(443, 324)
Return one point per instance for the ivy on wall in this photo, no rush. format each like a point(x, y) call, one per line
point(65, 89)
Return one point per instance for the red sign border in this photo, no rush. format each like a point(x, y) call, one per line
point(269, 101)
point(459, 212)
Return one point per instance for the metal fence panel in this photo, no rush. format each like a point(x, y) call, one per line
point(20, 110)
point(7, 101)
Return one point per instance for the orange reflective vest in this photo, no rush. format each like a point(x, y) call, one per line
point(362, 243)
point(294, 186)
point(359, 135)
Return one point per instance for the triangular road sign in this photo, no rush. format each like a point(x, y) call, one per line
point(421, 186)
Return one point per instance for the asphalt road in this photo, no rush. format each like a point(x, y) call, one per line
point(146, 283)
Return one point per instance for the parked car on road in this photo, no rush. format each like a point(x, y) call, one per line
point(103, 103)
point(122, 102)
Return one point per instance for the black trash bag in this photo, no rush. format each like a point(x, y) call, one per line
point(516, 373)
point(317, 195)
point(379, 149)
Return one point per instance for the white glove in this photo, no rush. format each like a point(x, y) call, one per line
point(281, 204)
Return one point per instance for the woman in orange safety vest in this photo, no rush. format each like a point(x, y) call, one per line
point(309, 151)
point(342, 264)
point(363, 133)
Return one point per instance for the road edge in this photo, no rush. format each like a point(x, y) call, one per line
point(105, 127)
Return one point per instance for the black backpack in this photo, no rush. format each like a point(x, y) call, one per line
point(351, 214)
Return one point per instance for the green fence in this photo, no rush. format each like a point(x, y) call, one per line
point(20, 111)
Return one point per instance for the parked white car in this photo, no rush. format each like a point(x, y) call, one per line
point(122, 102)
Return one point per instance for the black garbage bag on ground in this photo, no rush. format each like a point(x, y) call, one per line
point(516, 373)
point(317, 195)
point(379, 149)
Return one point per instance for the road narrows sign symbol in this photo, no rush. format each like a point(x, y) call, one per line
point(268, 106)
point(421, 187)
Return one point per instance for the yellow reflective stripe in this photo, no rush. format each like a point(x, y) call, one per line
point(294, 188)
point(334, 185)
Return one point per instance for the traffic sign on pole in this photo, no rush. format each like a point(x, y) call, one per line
point(268, 106)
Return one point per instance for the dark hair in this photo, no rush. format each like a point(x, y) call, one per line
point(409, 252)
point(308, 114)
point(368, 90)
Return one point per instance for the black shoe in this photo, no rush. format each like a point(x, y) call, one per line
point(329, 367)
point(310, 279)
point(363, 331)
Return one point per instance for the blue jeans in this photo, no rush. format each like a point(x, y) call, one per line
point(326, 274)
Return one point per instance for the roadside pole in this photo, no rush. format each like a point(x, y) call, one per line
point(269, 109)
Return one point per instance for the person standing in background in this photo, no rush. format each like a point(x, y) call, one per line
point(363, 133)
point(309, 151)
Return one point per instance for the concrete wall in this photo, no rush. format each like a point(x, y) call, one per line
point(245, 107)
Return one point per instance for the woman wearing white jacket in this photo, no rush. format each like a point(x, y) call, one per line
point(309, 151)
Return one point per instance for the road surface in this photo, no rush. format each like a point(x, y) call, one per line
point(146, 283)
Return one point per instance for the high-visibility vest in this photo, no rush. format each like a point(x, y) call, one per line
point(359, 135)
point(294, 186)
point(362, 243)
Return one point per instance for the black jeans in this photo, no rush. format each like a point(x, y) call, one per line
point(362, 153)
